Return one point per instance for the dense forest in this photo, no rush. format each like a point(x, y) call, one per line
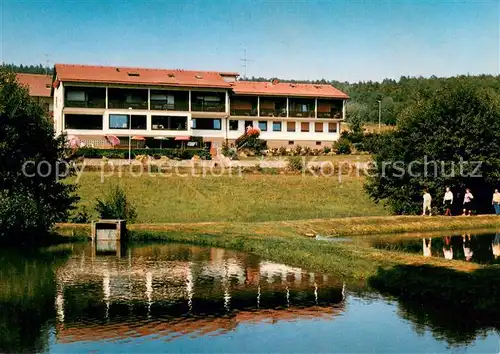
point(363, 106)
point(29, 69)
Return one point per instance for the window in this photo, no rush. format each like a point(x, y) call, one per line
point(290, 126)
point(233, 124)
point(169, 100)
point(304, 127)
point(125, 98)
point(332, 127)
point(168, 123)
point(88, 97)
point(138, 122)
point(276, 126)
point(318, 127)
point(83, 121)
point(263, 125)
point(206, 124)
point(291, 142)
point(318, 143)
point(118, 121)
point(248, 123)
point(208, 101)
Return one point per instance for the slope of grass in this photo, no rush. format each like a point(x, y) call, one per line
point(237, 199)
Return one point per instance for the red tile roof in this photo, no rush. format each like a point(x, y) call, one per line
point(286, 89)
point(139, 76)
point(38, 85)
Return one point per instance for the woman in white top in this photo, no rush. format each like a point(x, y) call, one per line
point(496, 202)
point(468, 197)
point(448, 201)
point(427, 203)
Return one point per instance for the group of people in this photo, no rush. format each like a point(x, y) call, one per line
point(467, 202)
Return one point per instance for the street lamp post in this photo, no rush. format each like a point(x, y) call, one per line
point(379, 113)
point(129, 135)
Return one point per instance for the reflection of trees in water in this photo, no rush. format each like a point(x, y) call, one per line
point(27, 291)
point(457, 327)
point(455, 306)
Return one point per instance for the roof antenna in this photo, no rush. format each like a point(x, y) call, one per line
point(245, 61)
point(46, 64)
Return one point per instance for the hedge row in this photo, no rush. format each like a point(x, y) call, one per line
point(185, 154)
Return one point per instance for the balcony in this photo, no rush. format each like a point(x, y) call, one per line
point(331, 109)
point(208, 101)
point(301, 107)
point(85, 97)
point(273, 107)
point(162, 100)
point(244, 106)
point(125, 98)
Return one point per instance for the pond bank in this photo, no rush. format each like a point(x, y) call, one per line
point(325, 227)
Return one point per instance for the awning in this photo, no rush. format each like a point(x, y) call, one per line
point(184, 138)
point(138, 138)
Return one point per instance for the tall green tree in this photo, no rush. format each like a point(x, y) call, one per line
point(32, 194)
point(449, 139)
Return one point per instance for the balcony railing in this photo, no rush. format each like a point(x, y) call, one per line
point(164, 106)
point(303, 114)
point(267, 112)
point(244, 112)
point(86, 104)
point(331, 115)
point(204, 107)
point(124, 104)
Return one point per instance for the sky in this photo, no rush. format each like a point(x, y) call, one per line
point(335, 40)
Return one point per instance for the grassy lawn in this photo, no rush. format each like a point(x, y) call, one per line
point(236, 199)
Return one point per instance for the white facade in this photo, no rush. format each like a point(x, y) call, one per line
point(325, 136)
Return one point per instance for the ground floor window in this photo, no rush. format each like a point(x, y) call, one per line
point(291, 142)
point(168, 123)
point(206, 123)
point(304, 127)
point(318, 143)
point(233, 124)
point(332, 127)
point(263, 125)
point(290, 126)
point(248, 123)
point(276, 126)
point(83, 121)
point(318, 127)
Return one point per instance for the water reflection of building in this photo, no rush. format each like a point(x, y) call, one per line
point(175, 290)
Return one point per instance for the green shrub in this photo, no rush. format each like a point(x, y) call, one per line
point(186, 154)
point(81, 217)
point(295, 163)
point(282, 151)
point(342, 146)
point(326, 150)
point(116, 205)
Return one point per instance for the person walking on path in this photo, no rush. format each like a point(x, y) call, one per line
point(448, 201)
point(427, 203)
point(496, 202)
point(468, 197)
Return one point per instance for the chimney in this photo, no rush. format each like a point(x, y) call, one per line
point(275, 81)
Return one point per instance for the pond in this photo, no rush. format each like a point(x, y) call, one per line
point(182, 298)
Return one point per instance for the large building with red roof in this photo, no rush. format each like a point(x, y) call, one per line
point(168, 107)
